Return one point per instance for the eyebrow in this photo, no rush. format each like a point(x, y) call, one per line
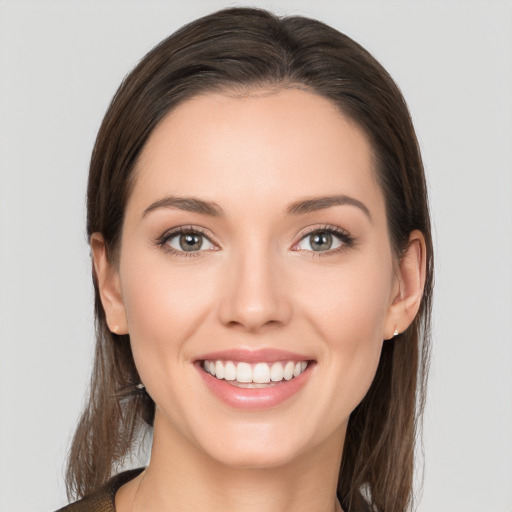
point(320, 203)
point(189, 204)
point(301, 207)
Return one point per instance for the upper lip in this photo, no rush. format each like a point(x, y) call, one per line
point(267, 355)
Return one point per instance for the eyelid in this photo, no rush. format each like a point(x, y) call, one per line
point(347, 240)
point(322, 227)
point(162, 240)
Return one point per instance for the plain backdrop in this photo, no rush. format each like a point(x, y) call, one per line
point(60, 63)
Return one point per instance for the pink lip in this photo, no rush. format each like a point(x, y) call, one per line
point(253, 356)
point(254, 398)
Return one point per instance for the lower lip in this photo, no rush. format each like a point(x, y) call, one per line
point(254, 398)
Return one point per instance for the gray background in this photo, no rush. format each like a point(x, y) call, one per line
point(60, 63)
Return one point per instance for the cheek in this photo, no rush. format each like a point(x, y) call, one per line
point(350, 313)
point(350, 303)
point(165, 304)
point(162, 294)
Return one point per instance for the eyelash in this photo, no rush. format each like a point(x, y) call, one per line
point(182, 230)
point(348, 241)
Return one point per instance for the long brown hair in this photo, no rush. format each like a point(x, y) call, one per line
point(239, 49)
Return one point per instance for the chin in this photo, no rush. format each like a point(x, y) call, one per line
point(241, 456)
point(256, 446)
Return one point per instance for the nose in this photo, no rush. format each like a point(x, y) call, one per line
point(254, 295)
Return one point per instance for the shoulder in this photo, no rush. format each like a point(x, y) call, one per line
point(103, 500)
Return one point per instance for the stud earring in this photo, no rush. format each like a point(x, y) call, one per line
point(396, 332)
point(115, 329)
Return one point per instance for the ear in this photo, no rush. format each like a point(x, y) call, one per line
point(408, 288)
point(109, 285)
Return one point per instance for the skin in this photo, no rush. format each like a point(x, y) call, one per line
point(257, 284)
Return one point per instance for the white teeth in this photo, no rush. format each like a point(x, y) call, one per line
point(257, 374)
point(219, 370)
point(261, 373)
point(244, 372)
point(277, 372)
point(230, 371)
point(288, 370)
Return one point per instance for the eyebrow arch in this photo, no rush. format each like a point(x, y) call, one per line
point(319, 203)
point(189, 204)
point(301, 207)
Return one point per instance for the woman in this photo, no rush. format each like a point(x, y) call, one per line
point(262, 262)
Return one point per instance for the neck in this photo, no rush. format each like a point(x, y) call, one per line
point(180, 477)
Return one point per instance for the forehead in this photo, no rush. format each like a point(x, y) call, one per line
point(270, 146)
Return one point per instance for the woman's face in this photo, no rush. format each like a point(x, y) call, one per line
point(255, 245)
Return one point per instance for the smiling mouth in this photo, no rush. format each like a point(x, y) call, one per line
point(258, 375)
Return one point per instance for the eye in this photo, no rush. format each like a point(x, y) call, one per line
point(187, 241)
point(324, 240)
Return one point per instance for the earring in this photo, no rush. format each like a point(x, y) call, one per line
point(396, 332)
point(131, 390)
point(115, 329)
